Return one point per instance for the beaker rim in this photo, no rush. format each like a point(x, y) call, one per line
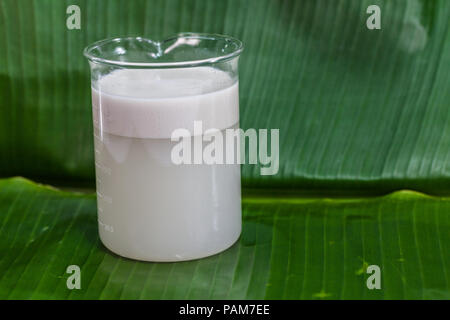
point(236, 50)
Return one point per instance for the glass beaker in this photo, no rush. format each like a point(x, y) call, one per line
point(156, 108)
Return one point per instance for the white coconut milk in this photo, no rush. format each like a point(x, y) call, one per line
point(148, 207)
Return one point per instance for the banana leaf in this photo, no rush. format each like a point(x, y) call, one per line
point(358, 110)
point(290, 248)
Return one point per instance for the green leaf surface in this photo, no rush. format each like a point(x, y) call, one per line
point(290, 248)
point(356, 108)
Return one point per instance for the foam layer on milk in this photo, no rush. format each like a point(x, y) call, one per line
point(152, 103)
